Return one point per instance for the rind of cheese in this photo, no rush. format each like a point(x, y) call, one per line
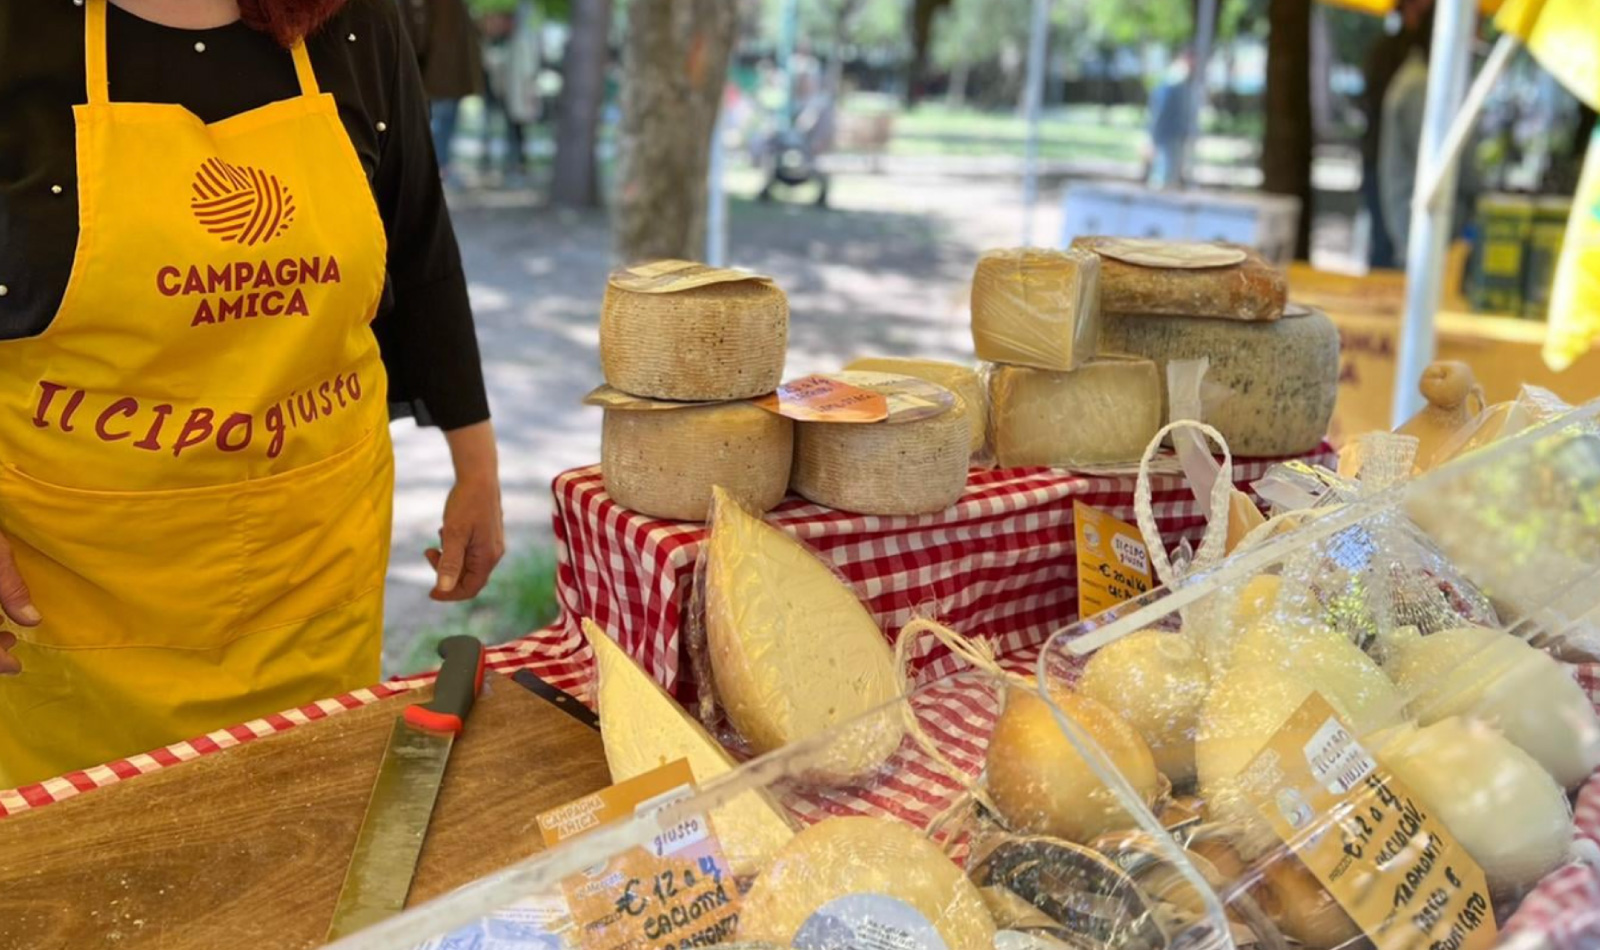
point(663, 463)
point(1036, 307)
point(840, 857)
point(643, 729)
point(881, 468)
point(961, 380)
point(1040, 782)
point(1102, 413)
point(1270, 387)
point(793, 652)
point(1156, 681)
point(1252, 290)
point(718, 342)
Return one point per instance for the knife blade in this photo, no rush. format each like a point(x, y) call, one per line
point(378, 879)
point(565, 702)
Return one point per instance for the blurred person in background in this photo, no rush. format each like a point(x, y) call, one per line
point(1170, 118)
point(1383, 61)
point(511, 64)
point(446, 43)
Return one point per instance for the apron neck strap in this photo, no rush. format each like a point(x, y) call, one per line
point(94, 53)
point(94, 58)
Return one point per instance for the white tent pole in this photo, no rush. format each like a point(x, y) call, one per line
point(717, 195)
point(1204, 39)
point(1034, 101)
point(1430, 230)
point(1456, 139)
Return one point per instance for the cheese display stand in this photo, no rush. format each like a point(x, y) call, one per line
point(1015, 655)
point(1372, 724)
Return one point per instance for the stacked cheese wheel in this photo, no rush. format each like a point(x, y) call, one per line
point(1080, 340)
point(692, 353)
point(1053, 400)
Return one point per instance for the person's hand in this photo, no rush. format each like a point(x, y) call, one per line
point(472, 540)
point(17, 604)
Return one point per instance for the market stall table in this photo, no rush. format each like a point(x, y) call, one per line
point(249, 848)
point(1000, 564)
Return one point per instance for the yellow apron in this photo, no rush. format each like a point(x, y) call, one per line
point(195, 468)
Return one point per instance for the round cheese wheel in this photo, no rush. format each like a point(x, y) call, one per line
point(1043, 786)
point(850, 867)
point(664, 462)
point(1156, 681)
point(961, 380)
point(884, 468)
point(717, 342)
point(1270, 386)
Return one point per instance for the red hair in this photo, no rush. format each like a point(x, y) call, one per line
point(288, 21)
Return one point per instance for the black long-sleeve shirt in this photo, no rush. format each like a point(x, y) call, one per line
point(424, 324)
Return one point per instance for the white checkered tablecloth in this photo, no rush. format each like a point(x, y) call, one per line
point(631, 574)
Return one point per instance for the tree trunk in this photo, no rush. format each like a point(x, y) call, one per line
point(922, 14)
point(1286, 151)
point(575, 177)
point(676, 63)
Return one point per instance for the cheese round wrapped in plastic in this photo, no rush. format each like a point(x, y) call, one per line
point(855, 874)
point(1036, 307)
point(961, 380)
point(1522, 692)
point(793, 652)
point(721, 341)
point(1498, 803)
point(1157, 682)
point(1043, 786)
point(664, 462)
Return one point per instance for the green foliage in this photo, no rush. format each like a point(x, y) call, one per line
point(549, 9)
point(877, 24)
point(520, 598)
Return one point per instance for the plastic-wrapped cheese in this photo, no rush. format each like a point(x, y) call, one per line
point(914, 467)
point(871, 878)
point(1043, 786)
point(644, 729)
point(1156, 681)
point(1104, 412)
point(1270, 387)
point(1036, 307)
point(721, 341)
point(1504, 810)
point(1522, 692)
point(961, 380)
point(793, 652)
point(663, 462)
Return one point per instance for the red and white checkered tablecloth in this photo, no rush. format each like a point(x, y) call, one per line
point(1000, 564)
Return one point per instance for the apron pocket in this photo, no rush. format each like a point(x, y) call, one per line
point(117, 569)
point(317, 538)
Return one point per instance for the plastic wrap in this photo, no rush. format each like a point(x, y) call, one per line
point(1173, 278)
point(1103, 413)
point(793, 652)
point(1036, 307)
point(1406, 797)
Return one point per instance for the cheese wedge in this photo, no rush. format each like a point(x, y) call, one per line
point(643, 729)
point(793, 652)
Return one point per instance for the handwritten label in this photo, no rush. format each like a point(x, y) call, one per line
point(1394, 868)
point(674, 892)
point(1113, 565)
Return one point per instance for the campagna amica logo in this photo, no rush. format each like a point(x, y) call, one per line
point(240, 204)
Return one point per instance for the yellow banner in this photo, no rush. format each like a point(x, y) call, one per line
point(1575, 298)
point(1563, 35)
point(1385, 7)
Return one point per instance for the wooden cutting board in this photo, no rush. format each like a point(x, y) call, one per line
point(248, 847)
